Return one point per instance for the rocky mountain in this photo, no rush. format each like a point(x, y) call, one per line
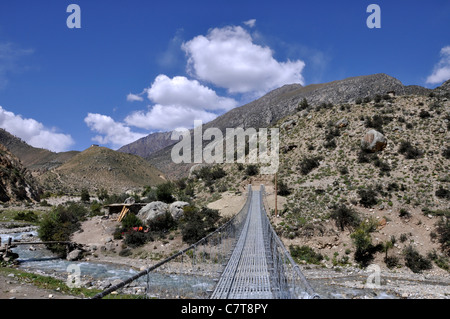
point(377, 168)
point(100, 167)
point(148, 144)
point(276, 105)
point(16, 182)
point(35, 159)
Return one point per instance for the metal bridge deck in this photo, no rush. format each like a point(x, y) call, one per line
point(246, 275)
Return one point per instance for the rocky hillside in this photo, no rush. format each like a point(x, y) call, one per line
point(35, 159)
point(148, 144)
point(278, 104)
point(16, 182)
point(333, 185)
point(100, 167)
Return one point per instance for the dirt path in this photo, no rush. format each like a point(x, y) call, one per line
point(12, 287)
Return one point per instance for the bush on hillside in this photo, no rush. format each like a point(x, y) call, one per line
point(344, 217)
point(164, 192)
point(306, 254)
point(368, 196)
point(307, 164)
point(443, 231)
point(197, 223)
point(415, 261)
point(60, 223)
point(409, 151)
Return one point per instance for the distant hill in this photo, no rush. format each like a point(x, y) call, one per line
point(16, 182)
point(35, 159)
point(100, 167)
point(274, 106)
point(148, 144)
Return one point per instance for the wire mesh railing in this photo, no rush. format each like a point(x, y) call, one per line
point(287, 280)
point(195, 272)
point(190, 273)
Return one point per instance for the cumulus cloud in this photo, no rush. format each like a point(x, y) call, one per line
point(178, 101)
point(34, 132)
point(111, 132)
point(168, 117)
point(228, 58)
point(441, 71)
point(181, 91)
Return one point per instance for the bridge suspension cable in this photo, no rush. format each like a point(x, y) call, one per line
point(244, 258)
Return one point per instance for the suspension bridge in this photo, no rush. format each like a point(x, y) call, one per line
point(243, 259)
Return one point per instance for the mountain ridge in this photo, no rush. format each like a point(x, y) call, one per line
point(101, 168)
point(279, 103)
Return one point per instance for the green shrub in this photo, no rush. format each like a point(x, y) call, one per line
point(307, 164)
point(164, 192)
point(424, 114)
point(305, 253)
point(368, 196)
point(446, 151)
point(415, 261)
point(344, 217)
point(60, 223)
point(443, 193)
point(404, 213)
point(131, 220)
point(135, 239)
point(197, 223)
point(443, 231)
point(102, 194)
point(85, 197)
point(303, 105)
point(391, 261)
point(409, 151)
point(283, 189)
point(27, 216)
point(252, 170)
point(363, 242)
point(162, 223)
point(96, 208)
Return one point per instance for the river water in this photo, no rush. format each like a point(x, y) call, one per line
point(101, 275)
point(159, 285)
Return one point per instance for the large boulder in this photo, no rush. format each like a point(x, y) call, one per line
point(74, 255)
point(373, 141)
point(152, 210)
point(176, 209)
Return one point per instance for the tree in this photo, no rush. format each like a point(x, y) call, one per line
point(197, 223)
point(85, 197)
point(164, 192)
point(344, 217)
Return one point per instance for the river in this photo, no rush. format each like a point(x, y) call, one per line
point(101, 275)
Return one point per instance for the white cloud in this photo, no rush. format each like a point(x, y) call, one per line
point(181, 91)
point(441, 71)
point(134, 97)
point(111, 132)
point(168, 118)
point(250, 23)
point(34, 132)
point(228, 58)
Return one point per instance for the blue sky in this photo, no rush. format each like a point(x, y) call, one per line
point(136, 67)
